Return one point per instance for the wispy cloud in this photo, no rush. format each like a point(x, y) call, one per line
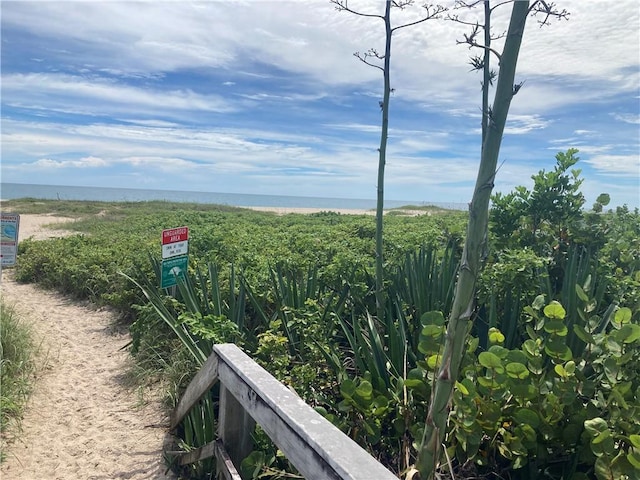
point(616, 165)
point(87, 162)
point(627, 117)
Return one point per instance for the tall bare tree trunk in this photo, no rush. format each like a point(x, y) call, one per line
point(463, 305)
point(384, 135)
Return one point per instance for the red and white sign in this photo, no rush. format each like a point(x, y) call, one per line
point(175, 235)
point(175, 242)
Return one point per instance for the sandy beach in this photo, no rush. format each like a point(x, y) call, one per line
point(83, 420)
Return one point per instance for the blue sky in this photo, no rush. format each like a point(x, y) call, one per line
point(266, 97)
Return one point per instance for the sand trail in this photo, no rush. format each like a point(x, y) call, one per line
point(82, 421)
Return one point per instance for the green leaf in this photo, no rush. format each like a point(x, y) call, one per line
point(347, 388)
point(434, 361)
point(517, 356)
point(496, 336)
point(462, 389)
point(517, 370)
point(538, 303)
point(559, 369)
point(635, 440)
point(622, 316)
point(489, 360)
point(633, 458)
point(601, 437)
point(432, 331)
point(432, 318)
point(556, 327)
point(532, 348)
point(581, 295)
point(555, 311)
point(629, 333)
point(611, 369)
point(595, 425)
point(570, 367)
point(252, 465)
point(582, 334)
point(603, 469)
point(365, 390)
point(527, 417)
point(558, 349)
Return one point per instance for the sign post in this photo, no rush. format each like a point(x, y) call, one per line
point(9, 226)
point(175, 255)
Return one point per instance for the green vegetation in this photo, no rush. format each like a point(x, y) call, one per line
point(17, 367)
point(548, 384)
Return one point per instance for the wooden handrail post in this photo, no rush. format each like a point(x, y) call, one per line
point(235, 427)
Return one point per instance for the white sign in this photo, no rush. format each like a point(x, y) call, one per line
point(174, 249)
point(9, 225)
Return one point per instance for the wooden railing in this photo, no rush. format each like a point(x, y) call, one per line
point(249, 394)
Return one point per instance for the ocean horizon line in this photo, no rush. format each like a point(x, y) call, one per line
point(11, 191)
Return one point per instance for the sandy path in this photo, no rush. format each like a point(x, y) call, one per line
point(82, 422)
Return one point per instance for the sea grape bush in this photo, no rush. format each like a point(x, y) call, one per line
point(534, 409)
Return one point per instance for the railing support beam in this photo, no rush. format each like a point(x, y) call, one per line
point(235, 427)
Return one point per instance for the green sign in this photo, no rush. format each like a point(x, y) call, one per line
point(172, 268)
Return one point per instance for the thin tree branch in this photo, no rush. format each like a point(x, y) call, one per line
point(401, 4)
point(343, 5)
point(471, 41)
point(363, 57)
point(548, 9)
point(435, 13)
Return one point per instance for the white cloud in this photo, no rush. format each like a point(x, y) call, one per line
point(627, 118)
point(616, 165)
point(85, 162)
point(521, 124)
point(97, 96)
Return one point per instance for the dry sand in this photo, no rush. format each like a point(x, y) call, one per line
point(82, 421)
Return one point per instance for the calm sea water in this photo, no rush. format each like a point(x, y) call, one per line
point(19, 190)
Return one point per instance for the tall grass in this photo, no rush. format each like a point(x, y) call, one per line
point(17, 369)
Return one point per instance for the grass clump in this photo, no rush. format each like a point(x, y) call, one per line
point(17, 369)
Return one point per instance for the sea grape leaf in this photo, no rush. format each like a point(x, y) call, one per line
point(556, 348)
point(489, 360)
point(496, 336)
point(538, 303)
point(526, 416)
point(622, 316)
point(434, 317)
point(555, 311)
point(595, 425)
point(634, 458)
point(629, 333)
point(556, 327)
point(517, 370)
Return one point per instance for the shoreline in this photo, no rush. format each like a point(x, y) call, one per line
point(309, 210)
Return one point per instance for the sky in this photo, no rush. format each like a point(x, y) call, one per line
point(266, 97)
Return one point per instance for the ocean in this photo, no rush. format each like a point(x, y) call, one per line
point(10, 191)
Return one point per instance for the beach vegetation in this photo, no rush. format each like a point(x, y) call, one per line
point(547, 383)
point(18, 366)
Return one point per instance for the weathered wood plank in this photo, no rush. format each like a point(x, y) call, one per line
point(235, 427)
point(202, 453)
point(206, 377)
point(215, 448)
point(224, 463)
point(318, 449)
